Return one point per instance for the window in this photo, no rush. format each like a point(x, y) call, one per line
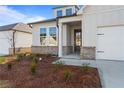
point(59, 13)
point(43, 36)
point(52, 36)
point(68, 11)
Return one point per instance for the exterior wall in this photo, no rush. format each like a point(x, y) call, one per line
point(64, 10)
point(45, 49)
point(99, 16)
point(87, 53)
point(36, 31)
point(23, 39)
point(20, 50)
point(5, 42)
point(70, 19)
point(51, 49)
point(23, 27)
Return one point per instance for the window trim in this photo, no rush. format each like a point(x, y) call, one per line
point(48, 35)
point(66, 13)
point(56, 35)
point(59, 11)
point(45, 36)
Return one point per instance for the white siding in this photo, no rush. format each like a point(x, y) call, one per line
point(23, 39)
point(5, 42)
point(96, 16)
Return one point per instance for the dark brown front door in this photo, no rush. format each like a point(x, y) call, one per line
point(77, 40)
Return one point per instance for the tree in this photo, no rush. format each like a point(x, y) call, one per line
point(11, 40)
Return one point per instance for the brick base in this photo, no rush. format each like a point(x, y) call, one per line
point(67, 50)
point(20, 50)
point(88, 53)
point(45, 49)
point(51, 49)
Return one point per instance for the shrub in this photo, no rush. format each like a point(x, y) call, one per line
point(19, 57)
point(35, 60)
point(33, 67)
point(67, 75)
point(58, 65)
point(85, 67)
point(9, 66)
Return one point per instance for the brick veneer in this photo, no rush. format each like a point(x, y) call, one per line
point(88, 53)
point(20, 50)
point(51, 49)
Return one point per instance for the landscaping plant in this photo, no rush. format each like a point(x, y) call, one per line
point(67, 75)
point(85, 67)
point(58, 65)
point(9, 66)
point(19, 57)
point(33, 67)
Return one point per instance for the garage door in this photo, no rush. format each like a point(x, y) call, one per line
point(110, 43)
point(4, 46)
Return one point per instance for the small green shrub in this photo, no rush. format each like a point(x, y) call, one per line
point(85, 67)
point(58, 65)
point(67, 75)
point(9, 66)
point(35, 60)
point(19, 57)
point(33, 67)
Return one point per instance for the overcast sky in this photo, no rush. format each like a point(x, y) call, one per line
point(22, 13)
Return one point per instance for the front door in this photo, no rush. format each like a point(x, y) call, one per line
point(77, 40)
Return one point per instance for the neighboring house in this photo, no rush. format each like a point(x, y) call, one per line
point(93, 32)
point(18, 35)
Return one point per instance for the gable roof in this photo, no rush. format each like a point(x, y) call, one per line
point(21, 27)
point(8, 27)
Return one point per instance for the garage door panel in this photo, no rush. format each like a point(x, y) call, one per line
point(110, 41)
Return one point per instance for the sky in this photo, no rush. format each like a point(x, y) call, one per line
point(25, 13)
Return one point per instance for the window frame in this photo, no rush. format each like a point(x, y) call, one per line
point(52, 36)
point(67, 11)
point(44, 36)
point(58, 13)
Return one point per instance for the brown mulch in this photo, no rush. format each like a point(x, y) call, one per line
point(46, 77)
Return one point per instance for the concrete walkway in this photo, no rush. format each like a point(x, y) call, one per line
point(111, 72)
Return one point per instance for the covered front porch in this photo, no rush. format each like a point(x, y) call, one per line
point(70, 38)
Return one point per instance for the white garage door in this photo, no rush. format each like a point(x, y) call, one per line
point(4, 46)
point(110, 43)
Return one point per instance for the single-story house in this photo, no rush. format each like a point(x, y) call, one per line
point(18, 35)
point(91, 31)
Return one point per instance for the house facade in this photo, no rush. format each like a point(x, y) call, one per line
point(92, 32)
point(18, 35)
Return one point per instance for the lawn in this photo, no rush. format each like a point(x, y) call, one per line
point(2, 59)
point(44, 74)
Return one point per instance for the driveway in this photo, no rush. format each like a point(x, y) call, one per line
point(111, 72)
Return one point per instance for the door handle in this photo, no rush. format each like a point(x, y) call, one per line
point(100, 51)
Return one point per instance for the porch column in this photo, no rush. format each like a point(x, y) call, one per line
point(60, 40)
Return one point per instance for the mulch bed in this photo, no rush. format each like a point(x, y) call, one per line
point(46, 77)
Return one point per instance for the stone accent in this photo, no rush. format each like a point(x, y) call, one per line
point(88, 53)
point(45, 49)
point(67, 50)
point(51, 49)
point(20, 50)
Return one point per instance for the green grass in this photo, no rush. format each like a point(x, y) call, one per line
point(2, 60)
